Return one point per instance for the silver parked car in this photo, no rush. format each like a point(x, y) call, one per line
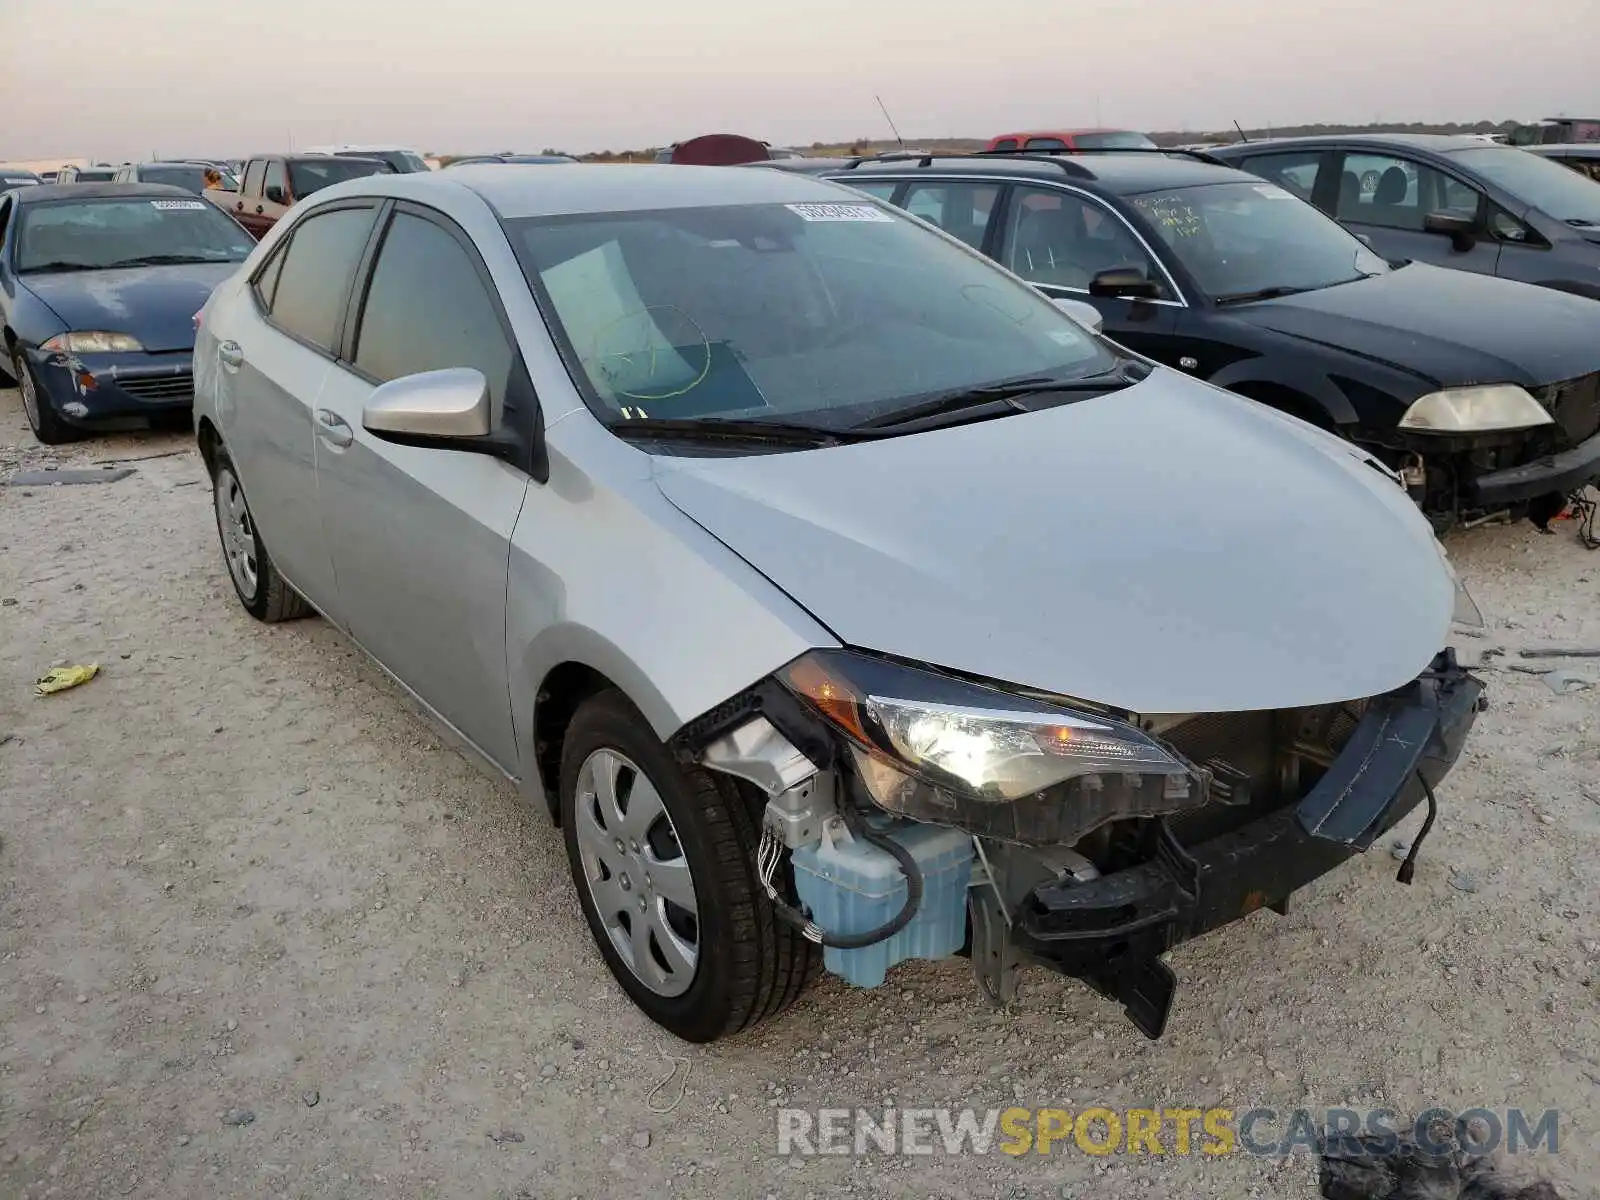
point(842, 597)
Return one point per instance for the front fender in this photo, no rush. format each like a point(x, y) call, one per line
point(1275, 372)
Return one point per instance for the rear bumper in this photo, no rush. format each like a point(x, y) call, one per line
point(1558, 473)
point(87, 389)
point(1109, 931)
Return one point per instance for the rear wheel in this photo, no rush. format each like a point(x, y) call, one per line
point(663, 859)
point(47, 426)
point(263, 592)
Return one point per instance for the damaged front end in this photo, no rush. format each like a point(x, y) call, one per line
point(925, 815)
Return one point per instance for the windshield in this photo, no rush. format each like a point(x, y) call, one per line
point(312, 175)
point(815, 313)
point(11, 181)
point(96, 234)
point(96, 176)
point(1237, 239)
point(1120, 140)
point(1551, 187)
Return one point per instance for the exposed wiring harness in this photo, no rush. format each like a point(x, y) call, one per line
point(1583, 509)
point(770, 854)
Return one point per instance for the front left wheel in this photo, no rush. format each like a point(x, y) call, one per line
point(664, 861)
point(46, 424)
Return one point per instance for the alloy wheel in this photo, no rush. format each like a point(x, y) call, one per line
point(637, 875)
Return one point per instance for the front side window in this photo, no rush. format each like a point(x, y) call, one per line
point(960, 209)
point(1294, 172)
point(1242, 239)
point(1396, 193)
point(190, 178)
point(310, 176)
point(1060, 239)
point(309, 296)
point(820, 313)
point(427, 308)
point(1549, 186)
point(99, 234)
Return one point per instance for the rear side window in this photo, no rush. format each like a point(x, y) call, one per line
point(309, 291)
point(960, 209)
point(1295, 172)
point(428, 308)
point(1005, 144)
point(1044, 143)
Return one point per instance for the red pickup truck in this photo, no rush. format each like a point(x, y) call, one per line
point(1072, 139)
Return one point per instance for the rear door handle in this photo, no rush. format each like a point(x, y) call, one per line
point(335, 430)
point(230, 355)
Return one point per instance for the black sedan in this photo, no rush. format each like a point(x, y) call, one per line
point(1484, 394)
point(99, 285)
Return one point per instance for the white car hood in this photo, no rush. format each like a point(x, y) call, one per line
point(1168, 548)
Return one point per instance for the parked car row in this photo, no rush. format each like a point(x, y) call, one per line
point(1483, 394)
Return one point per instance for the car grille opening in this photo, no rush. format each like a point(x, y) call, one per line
point(1576, 406)
point(159, 387)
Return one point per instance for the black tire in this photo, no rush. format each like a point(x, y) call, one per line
point(265, 594)
point(45, 422)
point(749, 964)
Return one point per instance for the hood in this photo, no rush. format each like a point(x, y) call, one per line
point(1169, 548)
point(1452, 328)
point(154, 304)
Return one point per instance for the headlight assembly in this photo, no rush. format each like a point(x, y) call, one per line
point(933, 748)
point(92, 342)
point(1486, 409)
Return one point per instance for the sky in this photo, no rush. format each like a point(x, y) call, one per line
point(112, 80)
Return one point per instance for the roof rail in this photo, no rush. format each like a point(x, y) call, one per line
point(926, 158)
point(1198, 155)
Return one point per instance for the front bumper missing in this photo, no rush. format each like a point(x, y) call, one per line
point(1553, 474)
point(1111, 930)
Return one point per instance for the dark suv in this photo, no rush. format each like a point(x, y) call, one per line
point(1482, 393)
point(1454, 201)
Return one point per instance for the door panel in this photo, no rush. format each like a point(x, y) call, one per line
point(421, 538)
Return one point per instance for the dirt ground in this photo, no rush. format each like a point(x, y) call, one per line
point(262, 933)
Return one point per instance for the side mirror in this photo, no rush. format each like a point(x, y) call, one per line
point(434, 408)
point(1459, 229)
point(274, 195)
point(1082, 312)
point(1125, 282)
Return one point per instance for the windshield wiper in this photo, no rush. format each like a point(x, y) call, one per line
point(56, 265)
point(1007, 394)
point(1267, 293)
point(787, 433)
point(163, 260)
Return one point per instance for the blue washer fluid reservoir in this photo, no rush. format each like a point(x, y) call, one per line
point(852, 886)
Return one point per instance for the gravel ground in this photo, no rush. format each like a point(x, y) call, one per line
point(262, 932)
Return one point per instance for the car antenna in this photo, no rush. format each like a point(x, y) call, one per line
point(1242, 137)
point(889, 119)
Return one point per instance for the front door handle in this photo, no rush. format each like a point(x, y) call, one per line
point(334, 429)
point(231, 355)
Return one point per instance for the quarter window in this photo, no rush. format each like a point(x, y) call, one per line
point(960, 209)
point(428, 308)
point(1058, 239)
point(309, 293)
point(1396, 193)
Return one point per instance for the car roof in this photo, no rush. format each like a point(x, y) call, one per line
point(1568, 149)
point(1069, 130)
point(1119, 172)
point(1440, 143)
point(175, 162)
point(45, 192)
point(558, 189)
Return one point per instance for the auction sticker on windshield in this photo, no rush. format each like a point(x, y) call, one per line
point(839, 212)
point(185, 205)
